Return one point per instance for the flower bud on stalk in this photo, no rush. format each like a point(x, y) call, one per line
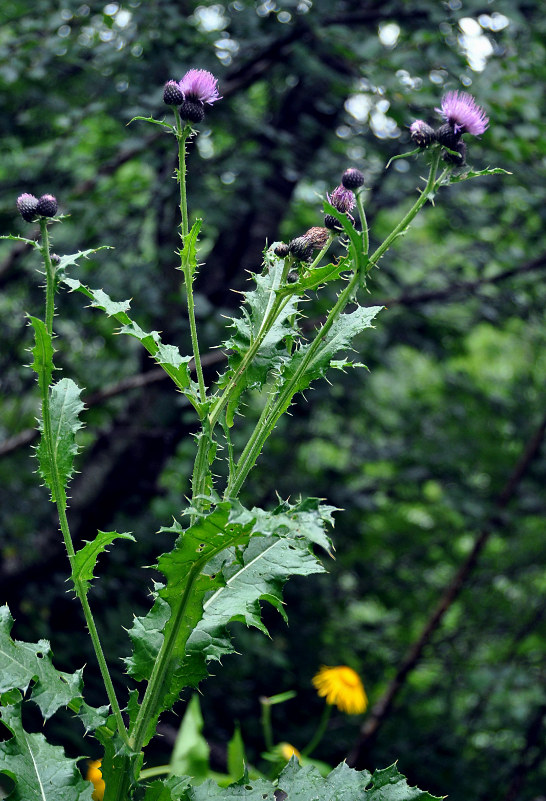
point(47, 206)
point(422, 133)
point(281, 250)
point(172, 94)
point(26, 206)
point(352, 178)
point(301, 248)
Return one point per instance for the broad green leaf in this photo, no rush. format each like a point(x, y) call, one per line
point(23, 663)
point(188, 254)
point(42, 352)
point(306, 784)
point(296, 377)
point(312, 279)
point(236, 755)
point(269, 549)
point(64, 406)
point(190, 755)
point(171, 789)
point(41, 771)
point(86, 558)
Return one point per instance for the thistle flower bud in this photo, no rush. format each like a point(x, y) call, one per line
point(460, 158)
point(47, 206)
point(192, 111)
point(422, 133)
point(281, 250)
point(352, 178)
point(26, 206)
point(448, 136)
point(172, 94)
point(301, 248)
point(332, 223)
point(317, 237)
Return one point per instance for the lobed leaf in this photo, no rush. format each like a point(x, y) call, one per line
point(248, 556)
point(64, 406)
point(86, 558)
point(338, 338)
point(42, 352)
point(39, 770)
point(23, 663)
point(188, 254)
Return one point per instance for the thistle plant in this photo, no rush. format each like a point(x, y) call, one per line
point(225, 557)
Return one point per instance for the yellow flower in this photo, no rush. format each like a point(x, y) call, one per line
point(288, 751)
point(342, 687)
point(94, 775)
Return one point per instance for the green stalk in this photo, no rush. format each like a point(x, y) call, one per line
point(60, 497)
point(319, 734)
point(182, 133)
point(274, 410)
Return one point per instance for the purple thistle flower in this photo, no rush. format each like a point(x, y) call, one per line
point(342, 199)
point(200, 86)
point(463, 113)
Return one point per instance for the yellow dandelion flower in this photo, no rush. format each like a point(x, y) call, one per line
point(341, 686)
point(94, 775)
point(288, 751)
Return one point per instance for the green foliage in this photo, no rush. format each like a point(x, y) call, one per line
point(86, 558)
point(190, 755)
point(65, 407)
point(40, 770)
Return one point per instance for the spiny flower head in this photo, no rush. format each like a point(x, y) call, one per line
point(94, 775)
point(422, 133)
point(317, 236)
point(200, 86)
point(47, 206)
point(342, 199)
point(463, 113)
point(26, 206)
point(352, 178)
point(172, 94)
point(341, 686)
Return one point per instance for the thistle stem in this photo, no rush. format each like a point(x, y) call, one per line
point(59, 494)
point(182, 134)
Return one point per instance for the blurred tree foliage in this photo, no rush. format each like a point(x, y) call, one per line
point(418, 451)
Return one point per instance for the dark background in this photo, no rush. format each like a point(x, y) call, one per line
point(434, 454)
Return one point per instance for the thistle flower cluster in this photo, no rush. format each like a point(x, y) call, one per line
point(196, 88)
point(30, 207)
point(342, 198)
point(461, 115)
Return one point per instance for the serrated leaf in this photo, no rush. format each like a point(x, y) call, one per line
point(86, 558)
point(190, 755)
point(40, 771)
point(21, 239)
point(234, 583)
point(318, 276)
point(464, 176)
point(188, 254)
point(22, 663)
point(64, 408)
point(42, 351)
point(162, 123)
point(279, 548)
point(171, 789)
point(339, 338)
point(298, 783)
point(70, 260)
point(166, 356)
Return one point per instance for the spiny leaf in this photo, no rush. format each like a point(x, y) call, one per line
point(23, 239)
point(171, 789)
point(463, 176)
point(298, 783)
point(86, 558)
point(162, 123)
point(240, 579)
point(188, 255)
point(22, 663)
point(339, 338)
point(166, 356)
point(64, 406)
point(42, 352)
point(40, 771)
point(312, 279)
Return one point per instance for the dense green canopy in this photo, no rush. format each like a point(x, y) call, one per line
point(437, 593)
